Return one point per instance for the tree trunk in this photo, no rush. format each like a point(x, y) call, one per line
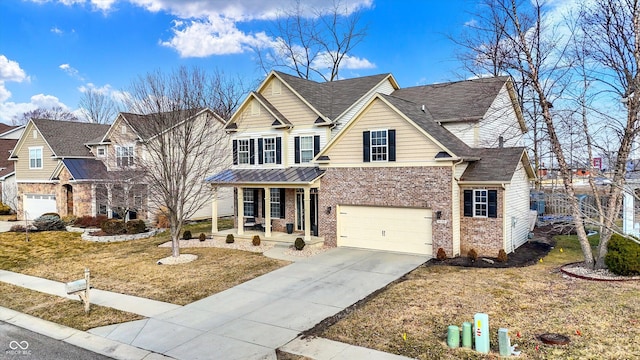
point(175, 240)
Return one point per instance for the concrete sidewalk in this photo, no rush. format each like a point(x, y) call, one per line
point(253, 319)
point(132, 304)
point(319, 348)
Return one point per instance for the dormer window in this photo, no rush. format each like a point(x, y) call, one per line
point(101, 151)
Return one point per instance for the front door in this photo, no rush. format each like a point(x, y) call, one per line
point(69, 191)
point(300, 210)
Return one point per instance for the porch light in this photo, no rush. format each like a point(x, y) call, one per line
point(328, 210)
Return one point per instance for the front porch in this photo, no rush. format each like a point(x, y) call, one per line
point(276, 237)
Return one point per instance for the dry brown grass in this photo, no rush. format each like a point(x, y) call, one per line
point(130, 267)
point(532, 300)
point(59, 310)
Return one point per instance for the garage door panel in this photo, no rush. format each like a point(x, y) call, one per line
point(386, 228)
point(35, 205)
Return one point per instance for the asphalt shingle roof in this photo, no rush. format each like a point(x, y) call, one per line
point(332, 98)
point(6, 146)
point(466, 100)
point(495, 164)
point(68, 138)
point(292, 175)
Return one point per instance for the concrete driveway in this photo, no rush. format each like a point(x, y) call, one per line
point(253, 319)
point(6, 225)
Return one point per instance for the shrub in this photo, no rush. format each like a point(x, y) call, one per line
point(113, 227)
point(162, 221)
point(229, 239)
point(90, 221)
point(472, 254)
point(256, 240)
point(623, 256)
point(69, 219)
point(299, 244)
point(18, 228)
point(136, 226)
point(49, 223)
point(441, 255)
point(5, 209)
point(202, 237)
point(51, 214)
point(187, 235)
point(502, 256)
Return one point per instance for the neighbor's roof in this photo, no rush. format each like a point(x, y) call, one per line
point(68, 138)
point(6, 166)
point(332, 98)
point(4, 128)
point(466, 100)
point(293, 175)
point(496, 164)
point(146, 130)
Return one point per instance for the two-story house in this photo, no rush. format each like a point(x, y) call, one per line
point(73, 168)
point(363, 163)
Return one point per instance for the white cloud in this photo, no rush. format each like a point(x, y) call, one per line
point(9, 110)
point(214, 36)
point(9, 71)
point(74, 73)
point(56, 30)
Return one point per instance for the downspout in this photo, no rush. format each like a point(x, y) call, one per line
point(458, 217)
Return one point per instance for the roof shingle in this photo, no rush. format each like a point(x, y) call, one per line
point(68, 138)
point(495, 164)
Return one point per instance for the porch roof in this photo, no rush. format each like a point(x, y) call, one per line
point(86, 169)
point(292, 176)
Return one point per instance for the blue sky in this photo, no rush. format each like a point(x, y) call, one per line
point(51, 50)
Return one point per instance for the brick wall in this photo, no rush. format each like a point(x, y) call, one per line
point(427, 187)
point(482, 234)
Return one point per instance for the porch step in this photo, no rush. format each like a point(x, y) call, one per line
point(277, 238)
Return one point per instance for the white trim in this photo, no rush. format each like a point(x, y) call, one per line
point(486, 203)
point(35, 158)
point(385, 146)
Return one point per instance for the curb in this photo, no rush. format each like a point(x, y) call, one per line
point(584, 277)
point(82, 339)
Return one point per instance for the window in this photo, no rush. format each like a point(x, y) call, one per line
point(306, 149)
point(269, 151)
point(100, 151)
point(379, 145)
point(35, 157)
point(124, 156)
point(481, 203)
point(243, 151)
point(275, 203)
point(248, 199)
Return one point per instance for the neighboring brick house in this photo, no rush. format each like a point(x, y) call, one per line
point(74, 168)
point(9, 136)
point(379, 167)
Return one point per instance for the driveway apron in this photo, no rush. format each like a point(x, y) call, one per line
point(251, 320)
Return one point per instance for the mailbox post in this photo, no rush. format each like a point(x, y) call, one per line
point(81, 288)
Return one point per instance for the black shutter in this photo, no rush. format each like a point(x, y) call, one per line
point(278, 150)
point(296, 146)
point(256, 198)
point(492, 208)
point(282, 202)
point(316, 145)
point(260, 151)
point(366, 146)
point(235, 152)
point(252, 152)
point(468, 203)
point(392, 145)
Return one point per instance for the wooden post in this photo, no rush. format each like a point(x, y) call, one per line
point(84, 295)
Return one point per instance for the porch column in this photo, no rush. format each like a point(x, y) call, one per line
point(307, 214)
point(240, 215)
point(267, 212)
point(214, 210)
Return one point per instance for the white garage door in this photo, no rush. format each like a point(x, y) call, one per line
point(37, 204)
point(385, 228)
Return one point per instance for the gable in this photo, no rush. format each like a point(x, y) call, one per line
point(32, 138)
point(288, 103)
point(252, 115)
point(412, 146)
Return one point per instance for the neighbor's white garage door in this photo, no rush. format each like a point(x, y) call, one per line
point(37, 204)
point(385, 228)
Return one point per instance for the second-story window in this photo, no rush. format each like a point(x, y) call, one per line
point(306, 149)
point(124, 156)
point(35, 157)
point(243, 151)
point(269, 151)
point(379, 145)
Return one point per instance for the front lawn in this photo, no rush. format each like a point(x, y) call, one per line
point(602, 319)
point(130, 267)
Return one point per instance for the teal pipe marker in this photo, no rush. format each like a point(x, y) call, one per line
point(453, 336)
point(481, 332)
point(466, 335)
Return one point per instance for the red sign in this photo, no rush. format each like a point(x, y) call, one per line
point(597, 163)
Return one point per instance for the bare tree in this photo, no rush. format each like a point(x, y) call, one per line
point(98, 107)
point(313, 42)
point(183, 141)
point(54, 113)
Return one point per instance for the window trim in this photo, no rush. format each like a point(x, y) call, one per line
point(248, 200)
point(274, 150)
point(477, 205)
point(274, 200)
point(469, 203)
point(35, 158)
point(311, 149)
point(104, 151)
point(247, 151)
point(385, 146)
